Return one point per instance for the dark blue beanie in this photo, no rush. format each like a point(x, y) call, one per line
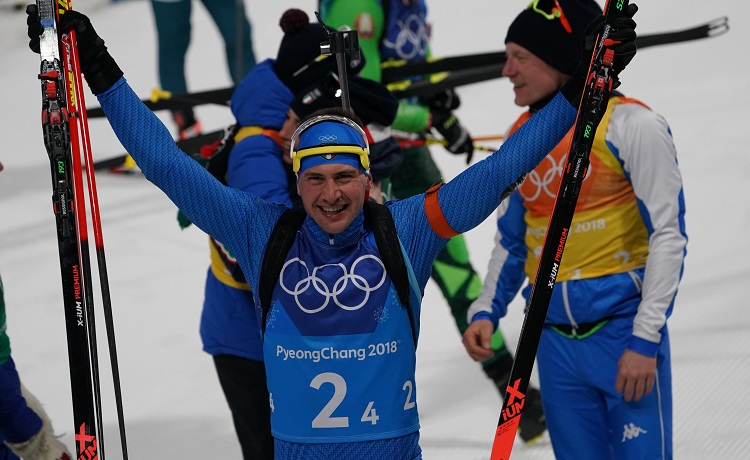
point(553, 30)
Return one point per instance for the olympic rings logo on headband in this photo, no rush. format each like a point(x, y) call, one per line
point(321, 286)
point(328, 138)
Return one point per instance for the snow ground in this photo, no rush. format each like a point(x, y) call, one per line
point(173, 404)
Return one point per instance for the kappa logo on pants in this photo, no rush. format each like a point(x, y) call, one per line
point(631, 431)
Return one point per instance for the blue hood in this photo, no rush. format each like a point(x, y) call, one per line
point(261, 99)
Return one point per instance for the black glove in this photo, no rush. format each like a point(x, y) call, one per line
point(622, 39)
point(457, 138)
point(446, 99)
point(34, 27)
point(97, 65)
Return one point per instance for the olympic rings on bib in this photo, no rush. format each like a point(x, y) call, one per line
point(321, 286)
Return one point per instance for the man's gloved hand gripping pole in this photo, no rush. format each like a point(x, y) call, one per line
point(97, 65)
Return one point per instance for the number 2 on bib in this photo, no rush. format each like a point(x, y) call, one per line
point(325, 418)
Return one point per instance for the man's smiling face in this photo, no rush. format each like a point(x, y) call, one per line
point(333, 194)
point(532, 78)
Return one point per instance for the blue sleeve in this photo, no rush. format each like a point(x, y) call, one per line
point(468, 199)
point(238, 219)
point(256, 166)
point(511, 227)
point(505, 271)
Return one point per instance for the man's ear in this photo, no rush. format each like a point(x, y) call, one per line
point(368, 186)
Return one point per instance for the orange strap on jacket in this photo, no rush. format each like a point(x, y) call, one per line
point(247, 131)
point(435, 215)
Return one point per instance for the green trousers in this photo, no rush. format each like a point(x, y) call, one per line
point(452, 270)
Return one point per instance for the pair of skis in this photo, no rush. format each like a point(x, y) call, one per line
point(394, 71)
point(592, 107)
point(474, 68)
point(66, 137)
point(448, 72)
point(442, 73)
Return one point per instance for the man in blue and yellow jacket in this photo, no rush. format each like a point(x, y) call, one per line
point(604, 360)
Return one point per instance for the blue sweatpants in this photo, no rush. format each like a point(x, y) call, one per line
point(18, 423)
point(586, 417)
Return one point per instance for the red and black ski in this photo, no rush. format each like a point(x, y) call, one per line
point(66, 137)
point(593, 105)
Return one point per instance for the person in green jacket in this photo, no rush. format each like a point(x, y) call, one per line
point(398, 30)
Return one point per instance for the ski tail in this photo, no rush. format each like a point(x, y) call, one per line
point(191, 146)
point(593, 104)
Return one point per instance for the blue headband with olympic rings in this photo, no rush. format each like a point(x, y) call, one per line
point(328, 139)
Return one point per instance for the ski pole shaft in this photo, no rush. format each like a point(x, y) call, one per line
point(67, 40)
point(99, 246)
point(409, 143)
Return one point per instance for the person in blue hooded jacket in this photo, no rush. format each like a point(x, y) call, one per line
point(228, 325)
point(339, 344)
point(256, 164)
point(25, 428)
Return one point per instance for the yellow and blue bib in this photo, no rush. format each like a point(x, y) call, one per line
point(607, 223)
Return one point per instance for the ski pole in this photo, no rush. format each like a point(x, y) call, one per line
point(98, 245)
point(406, 140)
point(409, 143)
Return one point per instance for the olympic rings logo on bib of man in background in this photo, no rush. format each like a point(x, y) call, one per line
point(545, 179)
point(323, 287)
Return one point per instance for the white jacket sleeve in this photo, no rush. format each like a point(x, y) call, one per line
point(643, 141)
